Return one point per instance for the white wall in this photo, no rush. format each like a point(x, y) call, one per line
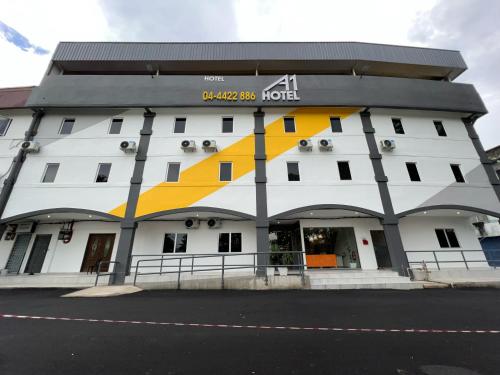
point(63, 257)
point(10, 142)
point(150, 235)
point(418, 233)
point(79, 154)
point(319, 176)
point(433, 155)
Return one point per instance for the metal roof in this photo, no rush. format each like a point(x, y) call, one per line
point(14, 97)
point(365, 58)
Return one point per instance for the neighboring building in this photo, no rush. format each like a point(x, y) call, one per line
point(362, 155)
point(494, 156)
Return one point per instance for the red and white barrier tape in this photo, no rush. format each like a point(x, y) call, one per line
point(289, 328)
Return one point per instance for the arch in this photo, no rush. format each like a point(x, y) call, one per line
point(327, 207)
point(448, 207)
point(195, 209)
point(47, 211)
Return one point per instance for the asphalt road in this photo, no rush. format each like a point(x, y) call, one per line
point(253, 343)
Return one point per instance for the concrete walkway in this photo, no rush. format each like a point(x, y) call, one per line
point(105, 291)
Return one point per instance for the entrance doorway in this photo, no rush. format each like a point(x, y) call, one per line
point(99, 248)
point(381, 250)
point(38, 252)
point(18, 251)
point(331, 247)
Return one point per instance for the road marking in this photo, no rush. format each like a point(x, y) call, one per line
point(263, 327)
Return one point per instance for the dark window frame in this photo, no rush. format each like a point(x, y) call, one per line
point(231, 239)
point(447, 238)
point(44, 175)
point(344, 174)
point(68, 120)
point(180, 121)
point(6, 121)
point(168, 171)
point(175, 246)
point(441, 131)
point(102, 179)
point(336, 125)
point(115, 121)
point(224, 119)
point(290, 173)
point(285, 123)
point(457, 173)
point(413, 178)
point(397, 124)
point(230, 163)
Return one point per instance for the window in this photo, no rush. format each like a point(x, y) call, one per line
point(289, 124)
point(344, 170)
point(229, 242)
point(103, 172)
point(498, 173)
point(455, 168)
point(225, 171)
point(50, 172)
point(440, 128)
point(67, 126)
point(180, 125)
point(413, 171)
point(398, 126)
point(293, 171)
point(173, 172)
point(116, 126)
point(4, 126)
point(227, 124)
point(336, 125)
point(175, 242)
point(447, 238)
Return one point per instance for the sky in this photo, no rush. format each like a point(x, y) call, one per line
point(31, 29)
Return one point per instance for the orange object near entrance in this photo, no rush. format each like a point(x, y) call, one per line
point(321, 260)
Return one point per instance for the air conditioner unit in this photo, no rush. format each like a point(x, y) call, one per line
point(325, 145)
point(388, 144)
point(192, 223)
point(28, 227)
point(209, 145)
point(188, 146)
point(129, 147)
point(30, 146)
point(214, 222)
point(305, 145)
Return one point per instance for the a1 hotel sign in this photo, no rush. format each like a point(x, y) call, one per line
point(284, 89)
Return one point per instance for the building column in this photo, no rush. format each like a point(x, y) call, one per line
point(487, 163)
point(128, 224)
point(261, 221)
point(390, 222)
point(18, 161)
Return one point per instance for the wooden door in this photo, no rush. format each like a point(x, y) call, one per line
point(99, 248)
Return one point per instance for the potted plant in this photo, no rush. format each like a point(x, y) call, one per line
point(286, 260)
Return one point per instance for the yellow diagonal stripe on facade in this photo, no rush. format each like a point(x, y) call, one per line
point(202, 178)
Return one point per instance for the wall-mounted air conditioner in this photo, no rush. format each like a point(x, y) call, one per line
point(188, 146)
point(305, 145)
point(209, 145)
point(129, 147)
point(30, 146)
point(388, 144)
point(192, 223)
point(325, 145)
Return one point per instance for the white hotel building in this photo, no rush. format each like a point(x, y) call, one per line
point(362, 156)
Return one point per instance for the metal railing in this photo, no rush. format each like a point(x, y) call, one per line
point(462, 257)
point(185, 263)
point(107, 273)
